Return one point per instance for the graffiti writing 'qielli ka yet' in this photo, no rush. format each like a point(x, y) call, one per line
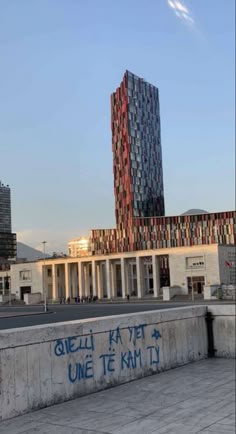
point(114, 358)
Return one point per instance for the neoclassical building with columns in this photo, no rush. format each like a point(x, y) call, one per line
point(116, 275)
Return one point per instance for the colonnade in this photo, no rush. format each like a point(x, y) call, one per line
point(107, 278)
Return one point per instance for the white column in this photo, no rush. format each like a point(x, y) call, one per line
point(67, 280)
point(81, 279)
point(94, 278)
point(74, 278)
point(54, 282)
point(86, 279)
point(129, 278)
point(100, 282)
point(113, 279)
point(123, 277)
point(108, 278)
point(156, 275)
point(139, 269)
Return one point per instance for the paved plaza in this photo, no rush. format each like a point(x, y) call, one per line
point(196, 398)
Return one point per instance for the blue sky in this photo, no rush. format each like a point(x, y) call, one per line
point(60, 61)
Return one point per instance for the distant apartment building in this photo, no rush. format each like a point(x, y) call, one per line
point(7, 238)
point(79, 247)
point(5, 208)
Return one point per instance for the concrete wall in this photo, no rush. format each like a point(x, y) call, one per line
point(43, 365)
point(224, 329)
point(6, 298)
point(211, 292)
point(170, 292)
point(33, 298)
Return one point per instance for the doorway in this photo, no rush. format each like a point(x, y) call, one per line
point(24, 290)
point(198, 284)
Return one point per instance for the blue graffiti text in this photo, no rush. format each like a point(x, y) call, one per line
point(115, 336)
point(80, 371)
point(153, 355)
point(131, 359)
point(136, 332)
point(73, 344)
point(108, 361)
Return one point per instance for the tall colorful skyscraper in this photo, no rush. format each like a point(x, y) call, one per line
point(138, 182)
point(137, 155)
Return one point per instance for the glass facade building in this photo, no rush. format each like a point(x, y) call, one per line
point(137, 156)
point(5, 208)
point(7, 246)
point(7, 238)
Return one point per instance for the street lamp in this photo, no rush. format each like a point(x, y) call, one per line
point(44, 285)
point(192, 282)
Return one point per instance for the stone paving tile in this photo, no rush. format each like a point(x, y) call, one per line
point(189, 417)
point(206, 431)
point(219, 428)
point(105, 422)
point(146, 425)
point(201, 420)
point(17, 426)
point(71, 419)
point(57, 429)
point(197, 403)
point(89, 420)
point(176, 428)
point(86, 419)
point(230, 420)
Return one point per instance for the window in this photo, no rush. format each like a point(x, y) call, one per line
point(25, 275)
point(49, 272)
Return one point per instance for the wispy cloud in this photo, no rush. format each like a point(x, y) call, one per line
point(181, 11)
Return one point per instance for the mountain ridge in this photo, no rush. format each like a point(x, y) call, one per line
point(29, 253)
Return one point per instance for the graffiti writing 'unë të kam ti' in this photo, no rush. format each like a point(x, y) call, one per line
point(115, 357)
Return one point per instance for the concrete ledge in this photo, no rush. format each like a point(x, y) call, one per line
point(224, 330)
point(222, 310)
point(13, 338)
point(45, 365)
point(171, 291)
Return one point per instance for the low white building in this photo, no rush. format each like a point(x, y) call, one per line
point(136, 274)
point(79, 247)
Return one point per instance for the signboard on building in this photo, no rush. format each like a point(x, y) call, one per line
point(195, 263)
